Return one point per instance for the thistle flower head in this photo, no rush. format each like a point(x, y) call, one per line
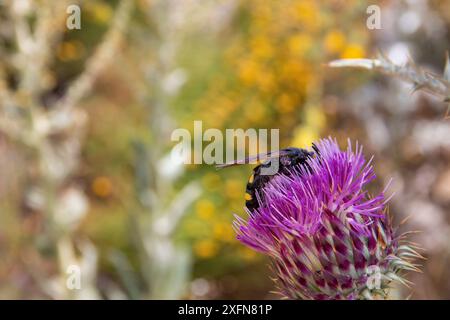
point(327, 237)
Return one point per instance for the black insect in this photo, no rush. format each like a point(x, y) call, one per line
point(288, 158)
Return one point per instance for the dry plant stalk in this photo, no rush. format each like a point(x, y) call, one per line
point(165, 265)
point(410, 72)
point(53, 135)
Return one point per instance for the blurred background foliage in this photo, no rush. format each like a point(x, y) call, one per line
point(149, 228)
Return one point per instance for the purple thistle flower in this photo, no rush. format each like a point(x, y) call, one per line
point(326, 236)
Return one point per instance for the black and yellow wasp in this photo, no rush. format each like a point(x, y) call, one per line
point(288, 158)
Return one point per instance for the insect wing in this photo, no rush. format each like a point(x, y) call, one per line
point(258, 157)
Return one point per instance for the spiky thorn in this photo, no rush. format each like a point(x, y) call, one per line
point(410, 72)
point(403, 260)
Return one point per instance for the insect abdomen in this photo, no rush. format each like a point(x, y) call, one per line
point(255, 183)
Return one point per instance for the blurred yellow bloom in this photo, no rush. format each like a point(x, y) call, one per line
point(100, 11)
point(211, 180)
point(191, 166)
point(299, 44)
point(304, 135)
point(261, 47)
point(262, 11)
point(307, 14)
point(289, 68)
point(102, 187)
point(205, 209)
point(249, 71)
point(234, 189)
point(353, 51)
point(222, 109)
point(247, 253)
point(205, 248)
point(314, 117)
point(285, 103)
point(223, 232)
point(254, 111)
point(334, 42)
point(266, 81)
point(228, 104)
point(195, 228)
point(70, 50)
point(294, 73)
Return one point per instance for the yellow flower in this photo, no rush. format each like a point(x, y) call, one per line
point(261, 14)
point(353, 51)
point(249, 71)
point(291, 69)
point(70, 50)
point(205, 248)
point(304, 136)
point(248, 254)
point(223, 232)
point(299, 44)
point(266, 82)
point(102, 187)
point(234, 189)
point(307, 13)
point(261, 47)
point(285, 103)
point(314, 117)
point(254, 111)
point(100, 11)
point(334, 42)
point(205, 209)
point(195, 228)
point(211, 180)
